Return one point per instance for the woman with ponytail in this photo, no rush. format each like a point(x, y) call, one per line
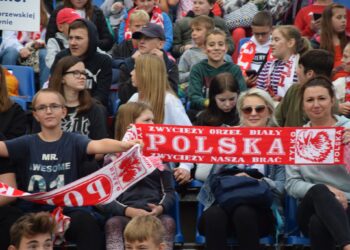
point(278, 75)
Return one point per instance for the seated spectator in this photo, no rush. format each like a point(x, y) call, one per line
point(313, 63)
point(33, 231)
point(201, 26)
point(113, 10)
point(83, 44)
point(12, 125)
point(246, 222)
point(222, 111)
point(153, 195)
point(87, 10)
point(65, 17)
point(319, 188)
point(27, 48)
point(182, 28)
point(279, 74)
point(145, 232)
point(342, 84)
point(256, 52)
point(202, 73)
point(150, 41)
point(84, 115)
point(68, 149)
point(308, 19)
point(138, 19)
point(150, 79)
point(333, 36)
point(157, 16)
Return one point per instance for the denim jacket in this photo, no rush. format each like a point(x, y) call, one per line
point(274, 176)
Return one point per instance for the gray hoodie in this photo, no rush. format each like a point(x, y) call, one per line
point(301, 178)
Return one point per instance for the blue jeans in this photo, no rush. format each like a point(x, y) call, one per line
point(9, 56)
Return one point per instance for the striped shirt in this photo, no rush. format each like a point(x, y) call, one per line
point(270, 78)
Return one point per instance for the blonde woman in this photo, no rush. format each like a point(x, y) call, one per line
point(151, 80)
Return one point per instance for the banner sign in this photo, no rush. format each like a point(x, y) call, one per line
point(100, 187)
point(21, 15)
point(294, 146)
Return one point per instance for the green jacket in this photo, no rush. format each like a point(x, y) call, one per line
point(182, 33)
point(288, 112)
point(200, 77)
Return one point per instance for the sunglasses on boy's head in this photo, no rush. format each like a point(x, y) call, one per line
point(258, 109)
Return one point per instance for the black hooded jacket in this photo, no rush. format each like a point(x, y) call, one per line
point(98, 66)
point(105, 39)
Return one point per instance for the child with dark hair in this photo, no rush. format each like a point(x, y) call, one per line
point(33, 231)
point(256, 52)
point(313, 63)
point(203, 72)
point(221, 111)
point(333, 35)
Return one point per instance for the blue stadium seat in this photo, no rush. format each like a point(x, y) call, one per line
point(293, 235)
point(98, 3)
point(175, 213)
point(25, 76)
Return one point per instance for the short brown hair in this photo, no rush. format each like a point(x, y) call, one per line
point(216, 31)
point(262, 18)
point(203, 21)
point(30, 225)
point(35, 98)
point(142, 228)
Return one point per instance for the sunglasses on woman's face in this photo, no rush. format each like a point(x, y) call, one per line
point(258, 109)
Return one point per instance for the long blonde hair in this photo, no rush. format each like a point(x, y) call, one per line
point(152, 83)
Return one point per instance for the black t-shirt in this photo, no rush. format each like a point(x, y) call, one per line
point(44, 166)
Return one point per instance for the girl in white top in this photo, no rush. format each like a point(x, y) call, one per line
point(150, 78)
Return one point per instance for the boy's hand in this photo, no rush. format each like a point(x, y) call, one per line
point(136, 55)
point(133, 212)
point(251, 81)
point(157, 52)
point(344, 108)
point(126, 145)
point(182, 176)
point(188, 46)
point(155, 209)
point(24, 53)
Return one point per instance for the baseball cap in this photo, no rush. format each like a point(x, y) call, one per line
point(151, 30)
point(67, 15)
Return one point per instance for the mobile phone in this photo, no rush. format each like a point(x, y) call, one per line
point(251, 72)
point(317, 16)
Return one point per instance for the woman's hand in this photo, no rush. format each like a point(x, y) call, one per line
point(344, 108)
point(339, 195)
point(155, 209)
point(133, 212)
point(243, 174)
point(346, 136)
point(126, 145)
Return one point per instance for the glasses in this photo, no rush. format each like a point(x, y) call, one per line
point(53, 107)
point(258, 109)
point(77, 73)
